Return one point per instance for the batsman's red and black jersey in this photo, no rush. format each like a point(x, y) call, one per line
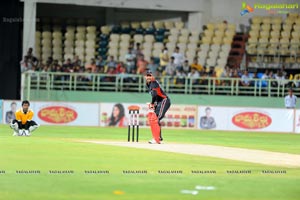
point(156, 91)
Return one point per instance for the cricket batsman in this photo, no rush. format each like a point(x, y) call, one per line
point(23, 124)
point(160, 103)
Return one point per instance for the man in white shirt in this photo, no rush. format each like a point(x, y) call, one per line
point(130, 61)
point(245, 79)
point(290, 100)
point(194, 75)
point(178, 58)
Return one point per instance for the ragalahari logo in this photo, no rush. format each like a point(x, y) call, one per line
point(246, 9)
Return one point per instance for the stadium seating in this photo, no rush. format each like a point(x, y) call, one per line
point(212, 46)
point(274, 35)
point(215, 44)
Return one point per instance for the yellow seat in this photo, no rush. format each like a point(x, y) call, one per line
point(183, 39)
point(80, 29)
point(105, 30)
point(256, 20)
point(138, 38)
point(255, 27)
point(146, 25)
point(266, 20)
point(135, 25)
point(210, 26)
point(149, 38)
point(276, 20)
point(179, 25)
point(158, 24)
point(91, 29)
point(169, 25)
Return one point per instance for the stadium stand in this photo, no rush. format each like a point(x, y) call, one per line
point(274, 42)
point(215, 52)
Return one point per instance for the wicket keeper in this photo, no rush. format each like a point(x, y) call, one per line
point(23, 124)
point(160, 103)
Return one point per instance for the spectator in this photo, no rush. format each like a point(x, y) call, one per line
point(196, 65)
point(124, 75)
point(214, 75)
point(163, 60)
point(265, 75)
point(68, 65)
point(137, 51)
point(204, 80)
point(272, 77)
point(45, 68)
point(178, 58)
point(130, 61)
point(49, 61)
point(91, 65)
point(280, 78)
point(25, 64)
point(111, 62)
point(110, 72)
point(76, 61)
point(141, 64)
point(180, 77)
point(284, 73)
point(100, 62)
point(152, 66)
point(211, 71)
point(88, 76)
point(30, 56)
point(77, 68)
point(57, 66)
point(245, 79)
point(254, 78)
point(119, 67)
point(170, 68)
point(226, 74)
point(194, 75)
point(235, 75)
point(186, 67)
point(290, 100)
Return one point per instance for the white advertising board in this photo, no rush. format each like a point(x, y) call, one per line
point(245, 119)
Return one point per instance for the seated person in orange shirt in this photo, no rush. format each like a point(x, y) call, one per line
point(91, 65)
point(23, 124)
point(141, 64)
point(197, 66)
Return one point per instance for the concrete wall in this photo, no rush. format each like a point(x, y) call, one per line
point(175, 5)
point(71, 11)
point(74, 96)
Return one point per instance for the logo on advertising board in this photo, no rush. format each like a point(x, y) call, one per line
point(271, 8)
point(251, 120)
point(246, 9)
point(57, 114)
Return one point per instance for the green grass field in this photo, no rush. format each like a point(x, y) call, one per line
point(59, 148)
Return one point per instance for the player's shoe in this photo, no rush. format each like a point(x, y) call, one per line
point(21, 133)
point(152, 142)
point(15, 133)
point(27, 133)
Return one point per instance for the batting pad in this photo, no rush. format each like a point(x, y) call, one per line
point(155, 129)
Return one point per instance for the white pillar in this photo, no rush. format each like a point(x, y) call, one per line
point(29, 20)
point(195, 21)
